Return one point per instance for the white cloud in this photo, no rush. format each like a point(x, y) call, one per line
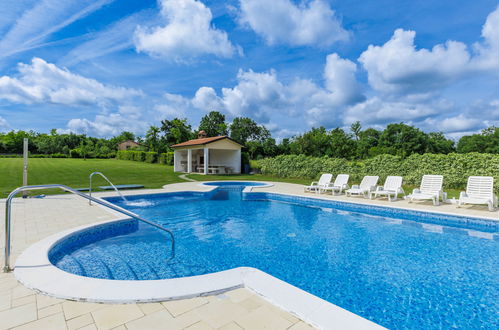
point(4, 125)
point(41, 20)
point(188, 33)
point(42, 82)
point(262, 96)
point(116, 37)
point(399, 67)
point(459, 123)
point(312, 23)
point(488, 50)
point(107, 125)
point(378, 111)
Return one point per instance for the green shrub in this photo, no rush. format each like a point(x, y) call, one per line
point(59, 155)
point(454, 167)
point(151, 157)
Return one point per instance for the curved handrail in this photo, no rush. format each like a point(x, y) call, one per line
point(105, 178)
point(8, 213)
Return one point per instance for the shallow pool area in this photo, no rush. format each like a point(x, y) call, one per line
point(392, 268)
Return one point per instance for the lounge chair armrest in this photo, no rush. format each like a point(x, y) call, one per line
point(462, 194)
point(378, 188)
point(416, 191)
point(315, 183)
point(355, 186)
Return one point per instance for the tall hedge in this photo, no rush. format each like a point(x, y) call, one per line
point(144, 156)
point(454, 167)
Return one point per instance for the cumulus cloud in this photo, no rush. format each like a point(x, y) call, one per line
point(378, 111)
point(312, 23)
point(398, 66)
point(261, 95)
point(4, 125)
point(107, 125)
point(188, 33)
point(42, 82)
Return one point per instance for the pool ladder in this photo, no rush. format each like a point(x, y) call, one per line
point(8, 214)
point(105, 178)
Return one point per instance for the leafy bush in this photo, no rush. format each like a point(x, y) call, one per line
point(151, 157)
point(148, 157)
point(58, 155)
point(454, 167)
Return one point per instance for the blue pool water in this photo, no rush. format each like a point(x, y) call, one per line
point(397, 272)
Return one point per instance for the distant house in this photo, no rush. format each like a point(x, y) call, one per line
point(208, 155)
point(125, 145)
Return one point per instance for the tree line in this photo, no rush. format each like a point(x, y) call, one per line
point(356, 143)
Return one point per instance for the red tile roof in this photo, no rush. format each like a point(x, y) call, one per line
point(202, 141)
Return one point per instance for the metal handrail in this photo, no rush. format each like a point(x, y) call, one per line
point(8, 213)
point(109, 181)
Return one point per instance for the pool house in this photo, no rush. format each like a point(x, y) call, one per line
point(208, 155)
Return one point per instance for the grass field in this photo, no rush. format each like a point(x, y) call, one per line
point(75, 172)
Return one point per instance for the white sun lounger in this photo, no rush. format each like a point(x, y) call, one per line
point(367, 185)
point(479, 190)
point(392, 186)
point(340, 184)
point(324, 181)
point(431, 188)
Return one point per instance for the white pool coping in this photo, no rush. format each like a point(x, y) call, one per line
point(34, 270)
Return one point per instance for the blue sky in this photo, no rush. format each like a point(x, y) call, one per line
point(103, 66)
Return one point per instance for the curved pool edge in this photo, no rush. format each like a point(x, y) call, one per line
point(34, 270)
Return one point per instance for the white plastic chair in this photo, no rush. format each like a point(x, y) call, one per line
point(324, 180)
point(479, 190)
point(367, 185)
point(340, 184)
point(392, 186)
point(431, 188)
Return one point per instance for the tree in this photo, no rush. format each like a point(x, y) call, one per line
point(356, 128)
point(341, 144)
point(214, 124)
point(244, 129)
point(176, 131)
point(368, 141)
point(439, 144)
point(402, 140)
point(315, 142)
point(487, 141)
point(153, 138)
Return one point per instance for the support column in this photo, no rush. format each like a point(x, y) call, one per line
point(189, 160)
point(206, 160)
point(175, 160)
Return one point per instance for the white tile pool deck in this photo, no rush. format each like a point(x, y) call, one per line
point(35, 219)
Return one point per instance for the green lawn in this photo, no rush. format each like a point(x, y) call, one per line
point(75, 172)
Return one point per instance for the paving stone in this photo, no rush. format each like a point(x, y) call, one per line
point(158, 320)
point(263, 318)
point(80, 321)
point(73, 309)
point(50, 310)
point(301, 326)
point(115, 315)
point(23, 301)
point(177, 307)
point(17, 316)
point(151, 307)
point(53, 322)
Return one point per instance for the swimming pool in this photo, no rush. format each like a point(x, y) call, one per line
point(373, 261)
